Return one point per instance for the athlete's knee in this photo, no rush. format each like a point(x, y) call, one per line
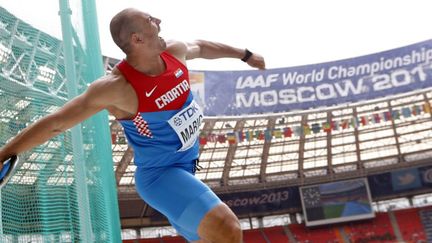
point(222, 225)
point(231, 229)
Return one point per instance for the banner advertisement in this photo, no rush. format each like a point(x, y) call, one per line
point(356, 79)
point(404, 180)
point(263, 201)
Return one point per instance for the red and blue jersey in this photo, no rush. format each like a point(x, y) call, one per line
point(166, 126)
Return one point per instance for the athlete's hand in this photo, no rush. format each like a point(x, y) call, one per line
point(2, 160)
point(256, 61)
point(1, 163)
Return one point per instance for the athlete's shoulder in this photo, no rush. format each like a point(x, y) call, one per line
point(175, 46)
point(110, 84)
point(178, 49)
point(187, 50)
point(115, 78)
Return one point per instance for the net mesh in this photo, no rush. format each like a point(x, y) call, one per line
point(47, 200)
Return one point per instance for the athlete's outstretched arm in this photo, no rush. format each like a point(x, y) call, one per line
point(212, 50)
point(72, 113)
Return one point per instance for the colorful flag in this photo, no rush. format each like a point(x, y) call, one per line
point(376, 118)
point(287, 132)
point(395, 114)
point(387, 116)
point(277, 133)
point(406, 112)
point(240, 136)
point(316, 128)
point(202, 139)
point(231, 138)
point(427, 108)
point(249, 135)
point(364, 120)
point(298, 131)
point(221, 138)
point(306, 129)
point(335, 125)
point(259, 135)
point(327, 127)
point(344, 124)
point(268, 135)
point(416, 110)
point(212, 138)
point(354, 122)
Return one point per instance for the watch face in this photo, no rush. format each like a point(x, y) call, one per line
point(311, 197)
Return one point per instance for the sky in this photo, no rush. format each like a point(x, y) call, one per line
point(286, 33)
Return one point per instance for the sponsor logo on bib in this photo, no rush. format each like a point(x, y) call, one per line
point(186, 124)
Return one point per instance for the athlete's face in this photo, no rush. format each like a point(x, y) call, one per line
point(150, 31)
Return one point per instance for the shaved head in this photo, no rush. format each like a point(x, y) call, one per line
point(122, 26)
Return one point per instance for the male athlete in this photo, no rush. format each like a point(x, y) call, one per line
point(149, 94)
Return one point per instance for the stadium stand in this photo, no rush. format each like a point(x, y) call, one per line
point(304, 234)
point(414, 224)
point(378, 229)
point(254, 236)
point(276, 234)
point(410, 225)
point(426, 219)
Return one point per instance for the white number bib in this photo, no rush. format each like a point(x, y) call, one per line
point(186, 124)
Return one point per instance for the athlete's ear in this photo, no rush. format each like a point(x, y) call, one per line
point(136, 38)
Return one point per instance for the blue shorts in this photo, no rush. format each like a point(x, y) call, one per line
point(178, 194)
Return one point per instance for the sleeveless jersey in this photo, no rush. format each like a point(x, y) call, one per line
point(166, 126)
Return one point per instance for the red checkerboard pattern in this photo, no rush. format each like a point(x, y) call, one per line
point(142, 126)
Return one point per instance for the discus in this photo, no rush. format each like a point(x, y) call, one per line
point(9, 167)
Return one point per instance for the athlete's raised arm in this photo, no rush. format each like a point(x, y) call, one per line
point(213, 50)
